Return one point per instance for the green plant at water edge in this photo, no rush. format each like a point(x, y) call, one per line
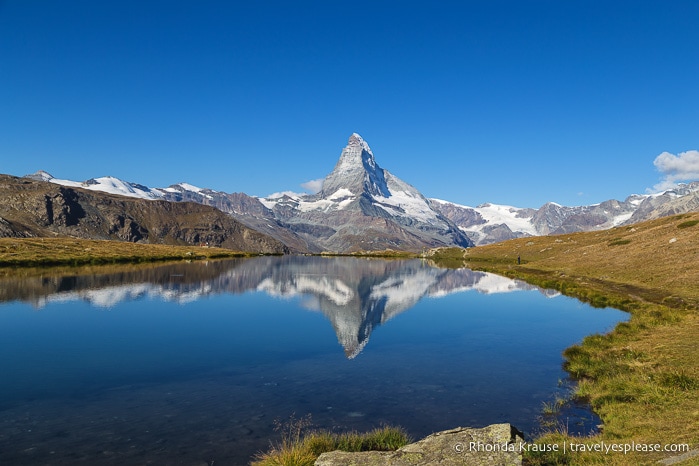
point(289, 451)
point(286, 456)
point(386, 438)
point(301, 446)
point(555, 436)
point(319, 442)
point(552, 408)
point(381, 439)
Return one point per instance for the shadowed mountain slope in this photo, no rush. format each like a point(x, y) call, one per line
point(38, 208)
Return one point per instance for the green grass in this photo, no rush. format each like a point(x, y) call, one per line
point(301, 446)
point(619, 242)
point(688, 224)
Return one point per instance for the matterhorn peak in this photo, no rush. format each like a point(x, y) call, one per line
point(356, 141)
point(356, 171)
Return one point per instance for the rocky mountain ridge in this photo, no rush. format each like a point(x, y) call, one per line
point(33, 208)
point(361, 206)
point(491, 223)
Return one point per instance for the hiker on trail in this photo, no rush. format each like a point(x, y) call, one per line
point(519, 260)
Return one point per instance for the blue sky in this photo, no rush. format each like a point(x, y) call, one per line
point(511, 102)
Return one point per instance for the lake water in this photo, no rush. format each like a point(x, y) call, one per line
point(193, 363)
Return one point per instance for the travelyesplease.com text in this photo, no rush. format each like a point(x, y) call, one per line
point(571, 447)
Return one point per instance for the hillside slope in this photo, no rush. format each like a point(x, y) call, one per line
point(659, 256)
point(32, 208)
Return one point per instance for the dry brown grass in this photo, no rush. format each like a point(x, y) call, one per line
point(33, 252)
point(655, 256)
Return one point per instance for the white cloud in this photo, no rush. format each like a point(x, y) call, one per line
point(313, 186)
point(291, 194)
point(681, 167)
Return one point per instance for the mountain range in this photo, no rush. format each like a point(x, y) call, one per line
point(362, 206)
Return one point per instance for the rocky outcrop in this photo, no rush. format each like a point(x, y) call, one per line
point(683, 199)
point(38, 208)
point(494, 445)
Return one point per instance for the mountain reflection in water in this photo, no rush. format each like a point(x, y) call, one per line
point(191, 363)
point(355, 294)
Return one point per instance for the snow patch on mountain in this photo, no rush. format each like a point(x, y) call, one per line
point(40, 175)
point(495, 214)
point(274, 199)
point(112, 185)
point(190, 187)
point(407, 204)
point(341, 193)
point(621, 219)
point(515, 218)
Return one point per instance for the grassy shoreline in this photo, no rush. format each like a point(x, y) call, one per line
point(642, 378)
point(47, 252)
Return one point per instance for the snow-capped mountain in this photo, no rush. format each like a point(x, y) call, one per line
point(490, 223)
point(106, 184)
point(362, 206)
point(37, 208)
point(112, 185)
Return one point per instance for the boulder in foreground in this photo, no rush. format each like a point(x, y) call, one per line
point(497, 444)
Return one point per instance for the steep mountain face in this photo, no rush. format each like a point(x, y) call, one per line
point(364, 207)
point(38, 208)
point(246, 209)
point(490, 223)
point(356, 172)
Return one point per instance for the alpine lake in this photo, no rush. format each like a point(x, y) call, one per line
point(196, 363)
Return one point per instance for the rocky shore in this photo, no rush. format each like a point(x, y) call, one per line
point(494, 445)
